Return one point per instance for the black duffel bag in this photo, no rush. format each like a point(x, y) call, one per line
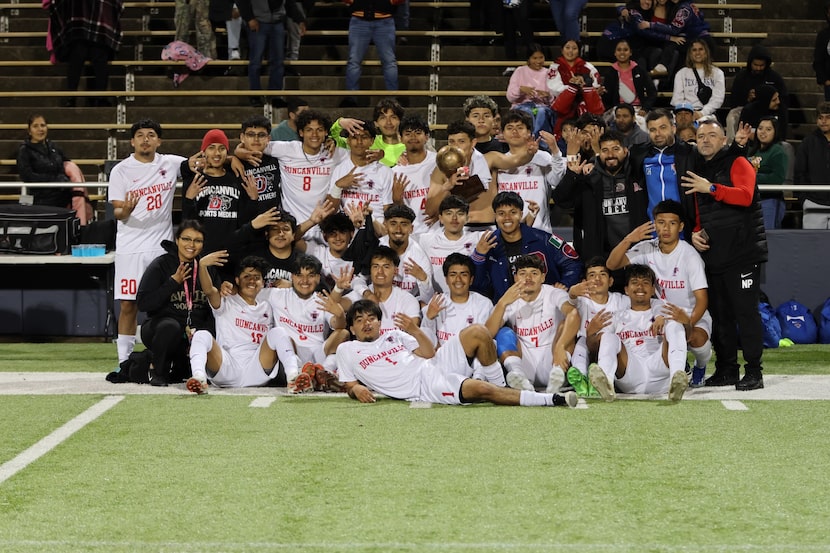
point(38, 229)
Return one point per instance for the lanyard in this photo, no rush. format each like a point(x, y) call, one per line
point(187, 297)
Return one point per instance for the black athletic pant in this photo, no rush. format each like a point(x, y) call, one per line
point(165, 337)
point(98, 55)
point(733, 304)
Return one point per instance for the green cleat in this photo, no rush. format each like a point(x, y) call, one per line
point(580, 383)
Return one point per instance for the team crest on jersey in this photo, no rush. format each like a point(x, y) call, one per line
point(528, 170)
point(370, 184)
point(390, 339)
point(163, 172)
point(314, 315)
point(220, 202)
point(675, 271)
point(637, 187)
point(619, 186)
point(470, 320)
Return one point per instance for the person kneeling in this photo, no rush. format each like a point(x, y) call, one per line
point(247, 347)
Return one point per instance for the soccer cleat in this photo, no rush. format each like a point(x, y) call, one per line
point(324, 381)
point(580, 383)
point(556, 380)
point(698, 377)
point(303, 383)
point(568, 398)
point(678, 385)
point(599, 380)
point(518, 381)
point(197, 385)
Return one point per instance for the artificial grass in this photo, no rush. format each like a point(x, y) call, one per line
point(101, 357)
point(211, 474)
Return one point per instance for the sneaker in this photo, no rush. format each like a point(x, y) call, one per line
point(155, 378)
point(235, 54)
point(659, 70)
point(679, 383)
point(599, 380)
point(508, 71)
point(197, 385)
point(556, 380)
point(568, 398)
point(303, 383)
point(698, 377)
point(518, 381)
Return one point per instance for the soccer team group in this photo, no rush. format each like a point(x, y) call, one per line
point(350, 262)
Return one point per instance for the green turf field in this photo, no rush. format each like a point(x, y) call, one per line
point(213, 474)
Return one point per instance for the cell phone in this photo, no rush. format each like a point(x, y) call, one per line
point(704, 235)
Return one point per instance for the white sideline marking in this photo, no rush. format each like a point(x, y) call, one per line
point(263, 401)
point(53, 440)
point(734, 405)
point(420, 405)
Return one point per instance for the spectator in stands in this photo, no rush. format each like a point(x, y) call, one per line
point(821, 55)
point(371, 22)
point(625, 27)
point(142, 191)
point(686, 24)
point(516, 20)
point(496, 251)
point(480, 111)
point(627, 83)
point(287, 129)
point(574, 85)
point(770, 162)
point(608, 199)
point(40, 160)
point(171, 294)
point(590, 128)
point(566, 16)
point(528, 90)
point(196, 13)
point(758, 71)
point(625, 122)
point(725, 204)
point(266, 32)
point(700, 83)
point(686, 133)
point(812, 166)
point(86, 31)
point(295, 33)
point(684, 115)
point(225, 12)
point(767, 103)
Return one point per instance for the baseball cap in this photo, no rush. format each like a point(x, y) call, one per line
point(684, 106)
point(214, 136)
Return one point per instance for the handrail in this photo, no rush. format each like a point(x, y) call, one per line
point(449, 4)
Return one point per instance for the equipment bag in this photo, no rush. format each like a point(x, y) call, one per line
point(824, 323)
point(797, 322)
point(37, 229)
point(772, 328)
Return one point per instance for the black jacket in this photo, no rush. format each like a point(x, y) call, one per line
point(812, 166)
point(43, 162)
point(736, 233)
point(642, 83)
point(161, 296)
point(584, 193)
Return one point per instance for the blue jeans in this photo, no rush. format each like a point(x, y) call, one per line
point(271, 35)
point(361, 34)
point(566, 16)
point(773, 210)
point(543, 119)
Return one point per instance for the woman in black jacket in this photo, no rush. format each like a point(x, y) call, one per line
point(176, 306)
point(40, 160)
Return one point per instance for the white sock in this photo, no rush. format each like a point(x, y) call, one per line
point(535, 399)
point(494, 374)
point(579, 358)
point(200, 345)
point(609, 347)
point(703, 354)
point(124, 344)
point(279, 341)
point(330, 363)
point(514, 363)
point(676, 337)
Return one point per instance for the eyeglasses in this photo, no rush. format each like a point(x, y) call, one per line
point(256, 135)
point(189, 240)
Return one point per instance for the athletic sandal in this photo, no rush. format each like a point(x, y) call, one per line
point(599, 380)
point(197, 385)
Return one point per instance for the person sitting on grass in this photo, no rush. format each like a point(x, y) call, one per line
point(403, 364)
point(248, 346)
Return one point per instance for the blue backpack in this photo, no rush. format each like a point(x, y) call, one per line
point(824, 323)
point(772, 328)
point(797, 322)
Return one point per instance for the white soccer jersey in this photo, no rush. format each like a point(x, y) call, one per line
point(302, 319)
point(240, 327)
point(375, 189)
point(152, 219)
point(679, 273)
point(634, 330)
point(455, 317)
point(536, 322)
point(588, 309)
point(480, 167)
point(305, 177)
point(438, 247)
point(415, 193)
point(398, 302)
point(331, 265)
point(386, 365)
point(532, 182)
point(421, 290)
